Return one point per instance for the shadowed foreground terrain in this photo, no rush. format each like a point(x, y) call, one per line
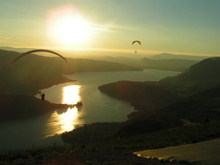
point(118, 151)
point(20, 107)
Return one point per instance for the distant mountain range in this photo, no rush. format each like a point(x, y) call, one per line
point(167, 64)
point(176, 56)
point(163, 61)
point(20, 50)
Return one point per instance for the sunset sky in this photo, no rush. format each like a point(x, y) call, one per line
point(169, 26)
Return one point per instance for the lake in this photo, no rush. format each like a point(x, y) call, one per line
point(97, 107)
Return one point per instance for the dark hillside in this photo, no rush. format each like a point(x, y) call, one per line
point(34, 72)
point(146, 95)
point(151, 95)
point(143, 95)
point(191, 97)
point(89, 65)
point(207, 70)
point(164, 61)
point(210, 93)
point(200, 77)
point(19, 107)
point(200, 108)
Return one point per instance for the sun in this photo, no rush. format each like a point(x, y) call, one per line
point(72, 30)
point(69, 28)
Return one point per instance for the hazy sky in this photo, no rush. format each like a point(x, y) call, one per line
point(174, 26)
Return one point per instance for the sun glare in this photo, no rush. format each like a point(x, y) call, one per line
point(68, 27)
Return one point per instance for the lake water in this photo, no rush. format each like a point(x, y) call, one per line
point(97, 107)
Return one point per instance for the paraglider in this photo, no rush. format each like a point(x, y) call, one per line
point(38, 50)
point(136, 41)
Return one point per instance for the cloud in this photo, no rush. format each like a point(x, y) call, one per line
point(109, 27)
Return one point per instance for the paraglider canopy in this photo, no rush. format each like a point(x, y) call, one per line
point(136, 41)
point(38, 50)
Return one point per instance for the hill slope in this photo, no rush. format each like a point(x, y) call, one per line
point(191, 96)
point(152, 95)
point(34, 72)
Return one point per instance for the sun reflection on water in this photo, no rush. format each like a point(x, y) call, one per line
point(71, 94)
point(66, 121)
